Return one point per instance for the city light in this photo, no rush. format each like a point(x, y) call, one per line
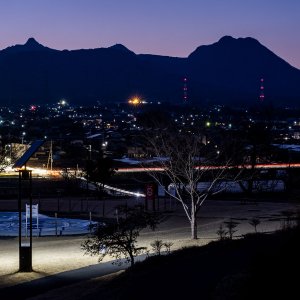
point(136, 101)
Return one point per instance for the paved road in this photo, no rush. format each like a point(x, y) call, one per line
point(45, 284)
point(54, 259)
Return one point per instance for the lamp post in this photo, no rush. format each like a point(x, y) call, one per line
point(25, 249)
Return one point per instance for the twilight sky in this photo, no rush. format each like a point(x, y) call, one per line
point(164, 27)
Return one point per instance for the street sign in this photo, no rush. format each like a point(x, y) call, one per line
point(161, 192)
point(35, 210)
point(35, 214)
point(150, 191)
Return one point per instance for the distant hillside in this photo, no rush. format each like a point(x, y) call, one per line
point(226, 72)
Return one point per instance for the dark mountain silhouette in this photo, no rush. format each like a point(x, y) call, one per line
point(233, 68)
point(226, 72)
point(30, 46)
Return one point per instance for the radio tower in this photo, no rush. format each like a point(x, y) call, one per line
point(185, 90)
point(262, 90)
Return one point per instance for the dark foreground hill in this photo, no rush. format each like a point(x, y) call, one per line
point(226, 72)
point(258, 266)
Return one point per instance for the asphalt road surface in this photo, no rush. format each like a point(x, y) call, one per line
point(59, 261)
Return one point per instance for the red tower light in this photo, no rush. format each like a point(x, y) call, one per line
point(262, 88)
point(185, 89)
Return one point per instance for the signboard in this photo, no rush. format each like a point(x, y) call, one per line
point(150, 191)
point(35, 210)
point(161, 191)
point(35, 214)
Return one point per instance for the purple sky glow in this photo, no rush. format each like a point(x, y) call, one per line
point(163, 27)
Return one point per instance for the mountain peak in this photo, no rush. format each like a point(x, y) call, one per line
point(226, 39)
point(227, 72)
point(29, 46)
point(227, 43)
point(120, 47)
point(229, 40)
point(32, 42)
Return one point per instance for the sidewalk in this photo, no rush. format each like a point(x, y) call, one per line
point(42, 285)
point(60, 259)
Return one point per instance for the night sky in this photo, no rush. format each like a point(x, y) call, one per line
point(164, 27)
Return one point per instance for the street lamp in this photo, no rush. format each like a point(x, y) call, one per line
point(23, 135)
point(25, 249)
point(8, 149)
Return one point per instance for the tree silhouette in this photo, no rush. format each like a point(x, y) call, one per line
point(254, 222)
point(120, 239)
point(191, 166)
point(99, 172)
point(231, 225)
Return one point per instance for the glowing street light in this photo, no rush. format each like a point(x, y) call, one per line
point(135, 101)
point(23, 135)
point(62, 102)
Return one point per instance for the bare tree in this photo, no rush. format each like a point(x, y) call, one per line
point(72, 178)
point(231, 225)
point(168, 246)
point(7, 156)
point(3, 163)
point(288, 219)
point(255, 144)
point(254, 222)
point(120, 239)
point(192, 165)
point(157, 246)
point(221, 232)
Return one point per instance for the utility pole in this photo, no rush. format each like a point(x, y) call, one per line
point(90, 152)
point(50, 157)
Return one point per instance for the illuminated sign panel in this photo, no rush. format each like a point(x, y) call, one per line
point(26, 156)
